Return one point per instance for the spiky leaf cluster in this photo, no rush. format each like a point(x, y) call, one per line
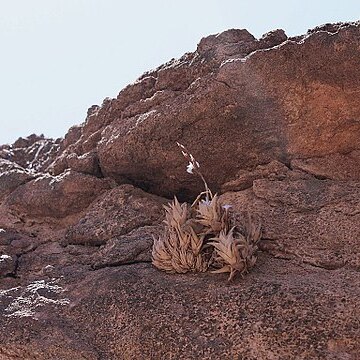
point(207, 234)
point(179, 249)
point(236, 249)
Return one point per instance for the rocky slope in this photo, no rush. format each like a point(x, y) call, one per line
point(275, 124)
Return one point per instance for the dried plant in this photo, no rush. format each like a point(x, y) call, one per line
point(206, 234)
point(236, 250)
point(179, 249)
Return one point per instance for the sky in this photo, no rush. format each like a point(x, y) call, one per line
point(59, 57)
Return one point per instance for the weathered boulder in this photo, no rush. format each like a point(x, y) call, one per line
point(294, 101)
point(281, 310)
point(115, 213)
point(51, 260)
point(57, 196)
point(315, 221)
point(131, 248)
point(12, 176)
point(334, 166)
point(7, 265)
point(236, 101)
point(19, 242)
point(33, 152)
point(87, 163)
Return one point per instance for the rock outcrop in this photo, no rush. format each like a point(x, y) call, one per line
point(33, 152)
point(236, 101)
point(56, 196)
point(274, 123)
point(117, 212)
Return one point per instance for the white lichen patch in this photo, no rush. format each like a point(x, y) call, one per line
point(4, 258)
point(144, 116)
point(27, 301)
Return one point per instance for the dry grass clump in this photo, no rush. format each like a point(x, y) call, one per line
point(179, 249)
point(206, 234)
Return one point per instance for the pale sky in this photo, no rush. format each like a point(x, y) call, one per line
point(59, 57)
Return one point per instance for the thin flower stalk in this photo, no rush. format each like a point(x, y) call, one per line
point(206, 234)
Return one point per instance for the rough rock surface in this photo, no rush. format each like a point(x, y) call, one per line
point(33, 152)
point(7, 265)
point(316, 221)
point(12, 176)
point(57, 196)
point(116, 212)
point(275, 125)
point(236, 101)
point(281, 310)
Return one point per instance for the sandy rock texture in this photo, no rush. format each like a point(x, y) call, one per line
point(236, 101)
point(274, 123)
point(281, 310)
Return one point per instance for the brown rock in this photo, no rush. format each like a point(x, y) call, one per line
point(57, 196)
point(71, 137)
point(59, 165)
point(274, 125)
point(228, 43)
point(34, 152)
point(275, 170)
point(12, 176)
point(115, 213)
point(28, 141)
point(7, 265)
point(131, 248)
point(293, 101)
point(87, 163)
point(311, 220)
point(273, 38)
point(281, 310)
point(333, 166)
point(5, 237)
point(19, 241)
point(50, 260)
point(7, 165)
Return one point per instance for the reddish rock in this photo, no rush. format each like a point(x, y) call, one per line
point(297, 100)
point(115, 213)
point(280, 310)
point(87, 163)
point(51, 260)
point(311, 220)
point(28, 141)
point(333, 166)
point(71, 136)
point(19, 241)
point(227, 43)
point(7, 265)
point(12, 176)
point(57, 196)
point(33, 152)
point(274, 125)
point(131, 248)
point(274, 170)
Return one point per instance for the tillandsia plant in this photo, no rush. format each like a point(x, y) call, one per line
point(206, 235)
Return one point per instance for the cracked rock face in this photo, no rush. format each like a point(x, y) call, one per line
point(274, 123)
point(56, 196)
point(7, 265)
point(314, 221)
point(33, 152)
point(236, 101)
point(115, 213)
point(12, 175)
